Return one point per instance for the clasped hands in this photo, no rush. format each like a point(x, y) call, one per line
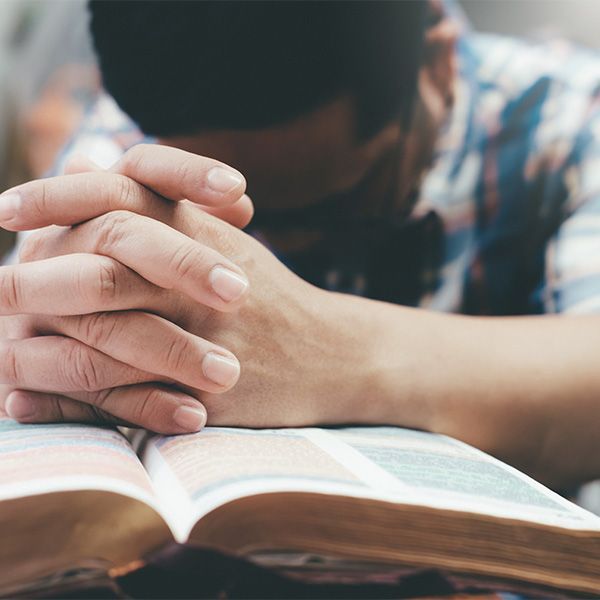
point(140, 301)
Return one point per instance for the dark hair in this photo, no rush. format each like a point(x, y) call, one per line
point(183, 67)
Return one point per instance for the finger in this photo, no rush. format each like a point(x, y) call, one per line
point(17, 327)
point(153, 344)
point(79, 163)
point(238, 214)
point(186, 217)
point(40, 407)
point(69, 199)
point(153, 407)
point(62, 364)
point(37, 244)
point(73, 285)
point(178, 175)
point(158, 253)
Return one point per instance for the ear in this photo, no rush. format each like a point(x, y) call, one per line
point(439, 53)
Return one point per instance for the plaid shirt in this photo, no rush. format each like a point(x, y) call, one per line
point(508, 216)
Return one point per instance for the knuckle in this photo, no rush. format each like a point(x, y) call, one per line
point(98, 329)
point(131, 161)
point(10, 289)
point(184, 261)
point(206, 226)
point(107, 282)
point(112, 228)
point(80, 369)
point(187, 173)
point(224, 242)
point(9, 363)
point(146, 409)
point(101, 415)
point(177, 354)
point(211, 230)
point(98, 402)
point(56, 410)
point(124, 190)
point(37, 203)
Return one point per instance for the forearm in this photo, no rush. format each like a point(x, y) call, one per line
point(526, 389)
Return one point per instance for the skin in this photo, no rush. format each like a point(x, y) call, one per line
point(123, 265)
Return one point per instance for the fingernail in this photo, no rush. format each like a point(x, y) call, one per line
point(223, 180)
point(229, 286)
point(9, 205)
point(220, 369)
point(190, 418)
point(19, 406)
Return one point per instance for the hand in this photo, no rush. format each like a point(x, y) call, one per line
point(288, 336)
point(34, 357)
point(308, 356)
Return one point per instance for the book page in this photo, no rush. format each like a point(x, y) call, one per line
point(195, 473)
point(73, 498)
point(39, 459)
point(438, 471)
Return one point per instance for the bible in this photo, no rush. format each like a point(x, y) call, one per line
point(350, 504)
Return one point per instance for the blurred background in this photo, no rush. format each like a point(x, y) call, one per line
point(575, 19)
point(48, 76)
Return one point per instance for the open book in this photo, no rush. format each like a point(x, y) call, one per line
point(352, 504)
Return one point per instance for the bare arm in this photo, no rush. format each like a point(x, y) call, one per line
point(526, 389)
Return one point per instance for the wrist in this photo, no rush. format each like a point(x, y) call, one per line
point(378, 372)
point(400, 366)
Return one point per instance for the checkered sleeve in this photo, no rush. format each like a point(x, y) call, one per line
point(572, 282)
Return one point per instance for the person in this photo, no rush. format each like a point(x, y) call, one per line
point(424, 250)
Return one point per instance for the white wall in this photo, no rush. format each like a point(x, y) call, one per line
point(575, 19)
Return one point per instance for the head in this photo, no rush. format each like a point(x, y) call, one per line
point(310, 100)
